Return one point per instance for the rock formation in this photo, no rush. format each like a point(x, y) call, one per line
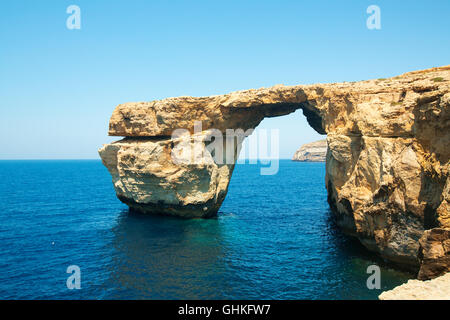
point(312, 152)
point(387, 162)
point(434, 253)
point(148, 180)
point(436, 289)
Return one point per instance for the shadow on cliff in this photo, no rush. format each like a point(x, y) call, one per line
point(351, 247)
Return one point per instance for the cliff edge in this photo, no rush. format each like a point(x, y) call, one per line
point(436, 289)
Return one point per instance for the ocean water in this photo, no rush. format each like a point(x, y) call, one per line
point(274, 238)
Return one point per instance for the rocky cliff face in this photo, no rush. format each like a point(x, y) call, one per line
point(150, 178)
point(387, 162)
point(434, 253)
point(436, 289)
point(312, 152)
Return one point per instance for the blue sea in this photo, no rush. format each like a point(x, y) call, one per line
point(274, 238)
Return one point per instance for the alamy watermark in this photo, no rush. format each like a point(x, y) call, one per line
point(74, 20)
point(74, 280)
point(373, 22)
point(374, 280)
point(212, 145)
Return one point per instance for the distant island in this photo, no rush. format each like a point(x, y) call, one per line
point(312, 152)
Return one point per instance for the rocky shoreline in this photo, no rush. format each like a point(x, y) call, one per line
point(436, 289)
point(387, 162)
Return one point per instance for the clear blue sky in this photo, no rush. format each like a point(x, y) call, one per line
point(58, 87)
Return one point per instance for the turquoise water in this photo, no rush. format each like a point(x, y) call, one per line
point(274, 238)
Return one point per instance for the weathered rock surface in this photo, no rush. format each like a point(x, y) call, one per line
point(387, 171)
point(312, 152)
point(434, 253)
point(151, 175)
point(436, 289)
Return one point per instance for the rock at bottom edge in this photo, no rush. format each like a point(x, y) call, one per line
point(436, 289)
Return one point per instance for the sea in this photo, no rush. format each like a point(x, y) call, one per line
point(65, 235)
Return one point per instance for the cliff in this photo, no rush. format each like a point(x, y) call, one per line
point(436, 289)
point(312, 152)
point(434, 253)
point(387, 162)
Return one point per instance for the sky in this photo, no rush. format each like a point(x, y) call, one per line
point(58, 87)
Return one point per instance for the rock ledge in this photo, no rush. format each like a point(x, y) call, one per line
point(436, 289)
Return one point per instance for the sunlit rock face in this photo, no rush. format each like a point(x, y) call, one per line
point(387, 159)
point(434, 253)
point(157, 175)
point(387, 178)
point(436, 289)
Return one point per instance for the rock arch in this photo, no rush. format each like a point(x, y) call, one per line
point(387, 160)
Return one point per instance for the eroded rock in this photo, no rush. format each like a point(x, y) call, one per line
point(434, 253)
point(153, 175)
point(387, 171)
